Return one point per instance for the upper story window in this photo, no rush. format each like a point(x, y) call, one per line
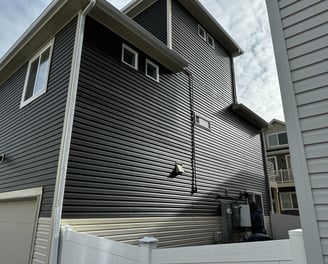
point(201, 32)
point(210, 41)
point(202, 121)
point(278, 139)
point(129, 56)
point(152, 70)
point(37, 75)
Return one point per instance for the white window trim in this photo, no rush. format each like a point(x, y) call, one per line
point(124, 46)
point(281, 203)
point(276, 146)
point(203, 37)
point(213, 42)
point(33, 97)
point(157, 70)
point(205, 118)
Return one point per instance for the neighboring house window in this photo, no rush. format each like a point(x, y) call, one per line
point(210, 41)
point(278, 139)
point(202, 121)
point(129, 56)
point(288, 201)
point(152, 70)
point(201, 32)
point(37, 75)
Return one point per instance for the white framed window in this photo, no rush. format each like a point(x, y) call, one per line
point(288, 201)
point(37, 75)
point(277, 139)
point(202, 32)
point(152, 70)
point(202, 121)
point(129, 56)
point(210, 41)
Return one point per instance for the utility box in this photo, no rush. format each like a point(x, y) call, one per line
point(241, 216)
point(245, 216)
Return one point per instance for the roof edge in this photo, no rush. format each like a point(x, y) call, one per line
point(250, 116)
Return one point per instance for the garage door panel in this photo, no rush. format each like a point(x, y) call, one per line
point(17, 223)
point(18, 211)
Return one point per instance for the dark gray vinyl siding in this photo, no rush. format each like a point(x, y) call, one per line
point(230, 155)
point(31, 136)
point(154, 20)
point(128, 133)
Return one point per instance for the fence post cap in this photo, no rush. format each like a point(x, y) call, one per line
point(148, 241)
point(295, 232)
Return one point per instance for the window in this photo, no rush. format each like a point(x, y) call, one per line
point(288, 201)
point(210, 41)
point(152, 70)
point(201, 32)
point(129, 56)
point(37, 75)
point(202, 121)
point(278, 139)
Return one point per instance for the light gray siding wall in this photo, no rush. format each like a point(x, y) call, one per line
point(300, 30)
point(170, 231)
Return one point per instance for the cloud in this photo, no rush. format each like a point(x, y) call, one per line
point(255, 70)
point(15, 17)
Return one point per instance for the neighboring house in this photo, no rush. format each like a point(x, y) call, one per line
point(299, 30)
point(122, 133)
point(280, 174)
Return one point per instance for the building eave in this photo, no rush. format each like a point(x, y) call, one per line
point(247, 114)
point(60, 12)
point(197, 10)
point(129, 30)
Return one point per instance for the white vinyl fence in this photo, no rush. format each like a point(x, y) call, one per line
point(84, 249)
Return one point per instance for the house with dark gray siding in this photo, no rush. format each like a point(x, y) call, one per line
point(124, 124)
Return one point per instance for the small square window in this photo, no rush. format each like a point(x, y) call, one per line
point(37, 75)
point(202, 121)
point(210, 40)
point(201, 32)
point(152, 70)
point(129, 56)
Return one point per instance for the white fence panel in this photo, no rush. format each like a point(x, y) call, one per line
point(251, 252)
point(85, 249)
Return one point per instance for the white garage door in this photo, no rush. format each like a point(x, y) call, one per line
point(17, 223)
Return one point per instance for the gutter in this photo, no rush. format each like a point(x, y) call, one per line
point(66, 137)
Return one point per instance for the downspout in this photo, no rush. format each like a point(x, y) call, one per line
point(233, 81)
point(265, 164)
point(192, 126)
point(66, 136)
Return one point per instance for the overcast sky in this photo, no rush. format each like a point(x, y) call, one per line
point(245, 20)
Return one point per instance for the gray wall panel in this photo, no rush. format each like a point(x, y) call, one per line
point(229, 156)
point(31, 136)
point(154, 20)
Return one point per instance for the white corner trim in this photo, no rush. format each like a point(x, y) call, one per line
point(20, 194)
point(169, 23)
point(311, 234)
point(67, 136)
